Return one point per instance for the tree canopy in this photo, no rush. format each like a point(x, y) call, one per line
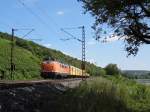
point(112, 69)
point(130, 20)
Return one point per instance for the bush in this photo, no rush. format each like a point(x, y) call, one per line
point(112, 69)
point(102, 72)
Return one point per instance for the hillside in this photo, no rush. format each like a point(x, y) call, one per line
point(136, 72)
point(28, 56)
point(27, 65)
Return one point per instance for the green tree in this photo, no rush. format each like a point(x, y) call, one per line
point(112, 69)
point(102, 72)
point(129, 19)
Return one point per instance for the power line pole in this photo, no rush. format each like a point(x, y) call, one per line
point(83, 52)
point(12, 63)
point(83, 46)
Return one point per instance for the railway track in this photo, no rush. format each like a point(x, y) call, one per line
point(72, 82)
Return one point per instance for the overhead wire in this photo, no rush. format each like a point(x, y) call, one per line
point(28, 33)
point(42, 10)
point(4, 24)
point(55, 24)
point(36, 16)
point(16, 29)
point(73, 37)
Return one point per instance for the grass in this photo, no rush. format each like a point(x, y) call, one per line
point(138, 95)
point(27, 65)
point(107, 95)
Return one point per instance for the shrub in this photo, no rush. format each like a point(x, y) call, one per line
point(112, 69)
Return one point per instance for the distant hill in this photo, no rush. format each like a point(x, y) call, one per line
point(136, 72)
point(28, 56)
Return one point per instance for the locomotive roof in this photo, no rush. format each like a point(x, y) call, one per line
point(50, 61)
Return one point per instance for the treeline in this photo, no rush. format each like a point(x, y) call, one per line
point(142, 76)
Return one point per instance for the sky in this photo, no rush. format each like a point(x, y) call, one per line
point(47, 17)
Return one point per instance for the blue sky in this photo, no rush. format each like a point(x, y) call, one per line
point(48, 16)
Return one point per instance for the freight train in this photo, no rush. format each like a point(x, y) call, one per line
point(55, 69)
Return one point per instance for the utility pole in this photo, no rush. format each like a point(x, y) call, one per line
point(12, 64)
point(83, 45)
point(83, 52)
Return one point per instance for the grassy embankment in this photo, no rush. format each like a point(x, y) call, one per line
point(27, 65)
point(112, 94)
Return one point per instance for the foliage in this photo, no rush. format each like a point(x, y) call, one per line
point(110, 94)
point(94, 96)
point(128, 18)
point(137, 95)
point(27, 65)
point(112, 69)
point(103, 72)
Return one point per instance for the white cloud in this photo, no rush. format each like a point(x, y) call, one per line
point(91, 60)
point(60, 13)
point(67, 53)
point(113, 38)
point(48, 45)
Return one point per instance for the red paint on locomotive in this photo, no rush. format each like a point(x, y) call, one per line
point(54, 66)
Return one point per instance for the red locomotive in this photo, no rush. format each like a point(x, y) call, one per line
point(55, 69)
